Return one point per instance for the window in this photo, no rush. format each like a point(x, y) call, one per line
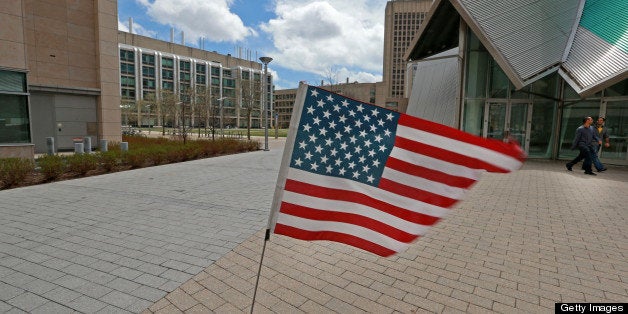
point(127, 81)
point(200, 68)
point(148, 59)
point(228, 83)
point(127, 68)
point(228, 92)
point(128, 93)
point(167, 74)
point(215, 71)
point(200, 79)
point(148, 83)
point(126, 55)
point(148, 71)
point(215, 81)
point(167, 63)
point(167, 85)
point(14, 117)
point(245, 75)
point(184, 65)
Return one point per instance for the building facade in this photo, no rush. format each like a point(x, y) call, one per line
point(516, 72)
point(284, 99)
point(58, 74)
point(167, 84)
point(402, 21)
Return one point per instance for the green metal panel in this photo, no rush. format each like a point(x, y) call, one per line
point(608, 19)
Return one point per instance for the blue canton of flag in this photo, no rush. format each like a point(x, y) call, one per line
point(343, 138)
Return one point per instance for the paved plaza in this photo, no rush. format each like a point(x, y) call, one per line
point(188, 238)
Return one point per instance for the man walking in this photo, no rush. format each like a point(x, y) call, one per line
point(582, 141)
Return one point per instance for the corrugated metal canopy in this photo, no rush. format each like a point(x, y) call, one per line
point(586, 41)
point(599, 54)
point(527, 38)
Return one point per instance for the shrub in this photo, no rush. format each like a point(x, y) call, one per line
point(14, 170)
point(158, 155)
point(82, 163)
point(51, 166)
point(142, 152)
point(136, 158)
point(109, 160)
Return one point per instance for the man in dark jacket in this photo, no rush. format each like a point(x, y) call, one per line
point(582, 141)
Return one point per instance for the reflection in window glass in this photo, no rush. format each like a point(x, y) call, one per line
point(499, 82)
point(14, 122)
point(546, 87)
point(617, 124)
point(473, 116)
point(619, 89)
point(541, 128)
point(571, 120)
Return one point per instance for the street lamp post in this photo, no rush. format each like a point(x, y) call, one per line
point(265, 61)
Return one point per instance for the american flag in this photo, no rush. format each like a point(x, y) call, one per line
point(373, 178)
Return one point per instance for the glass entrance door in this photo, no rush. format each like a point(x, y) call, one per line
point(508, 120)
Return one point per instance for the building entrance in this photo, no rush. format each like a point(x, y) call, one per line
point(504, 120)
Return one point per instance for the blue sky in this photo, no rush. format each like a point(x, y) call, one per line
point(309, 40)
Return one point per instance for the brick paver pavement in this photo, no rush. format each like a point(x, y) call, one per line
point(188, 238)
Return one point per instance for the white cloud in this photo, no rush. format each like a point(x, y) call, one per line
point(315, 36)
point(200, 18)
point(137, 29)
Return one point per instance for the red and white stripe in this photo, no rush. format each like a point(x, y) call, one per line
point(429, 169)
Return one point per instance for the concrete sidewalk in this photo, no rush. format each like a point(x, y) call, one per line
point(188, 238)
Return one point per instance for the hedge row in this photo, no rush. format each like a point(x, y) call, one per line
point(143, 152)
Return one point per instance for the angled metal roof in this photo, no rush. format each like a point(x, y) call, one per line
point(527, 38)
point(599, 54)
point(585, 41)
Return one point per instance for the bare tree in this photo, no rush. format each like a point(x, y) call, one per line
point(202, 108)
point(127, 107)
point(167, 108)
point(331, 75)
point(144, 107)
point(251, 94)
point(185, 110)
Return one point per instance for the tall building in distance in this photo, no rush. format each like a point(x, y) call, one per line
point(403, 19)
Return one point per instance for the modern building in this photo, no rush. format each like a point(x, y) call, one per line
point(58, 74)
point(284, 99)
point(527, 70)
point(164, 83)
point(284, 104)
point(402, 21)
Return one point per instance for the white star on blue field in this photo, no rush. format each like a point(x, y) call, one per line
point(343, 138)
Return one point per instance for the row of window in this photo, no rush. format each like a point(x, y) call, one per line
point(127, 57)
point(409, 17)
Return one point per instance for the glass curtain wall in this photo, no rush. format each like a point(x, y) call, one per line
point(611, 103)
point(493, 108)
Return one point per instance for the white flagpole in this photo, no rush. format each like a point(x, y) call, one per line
point(287, 154)
point(281, 178)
